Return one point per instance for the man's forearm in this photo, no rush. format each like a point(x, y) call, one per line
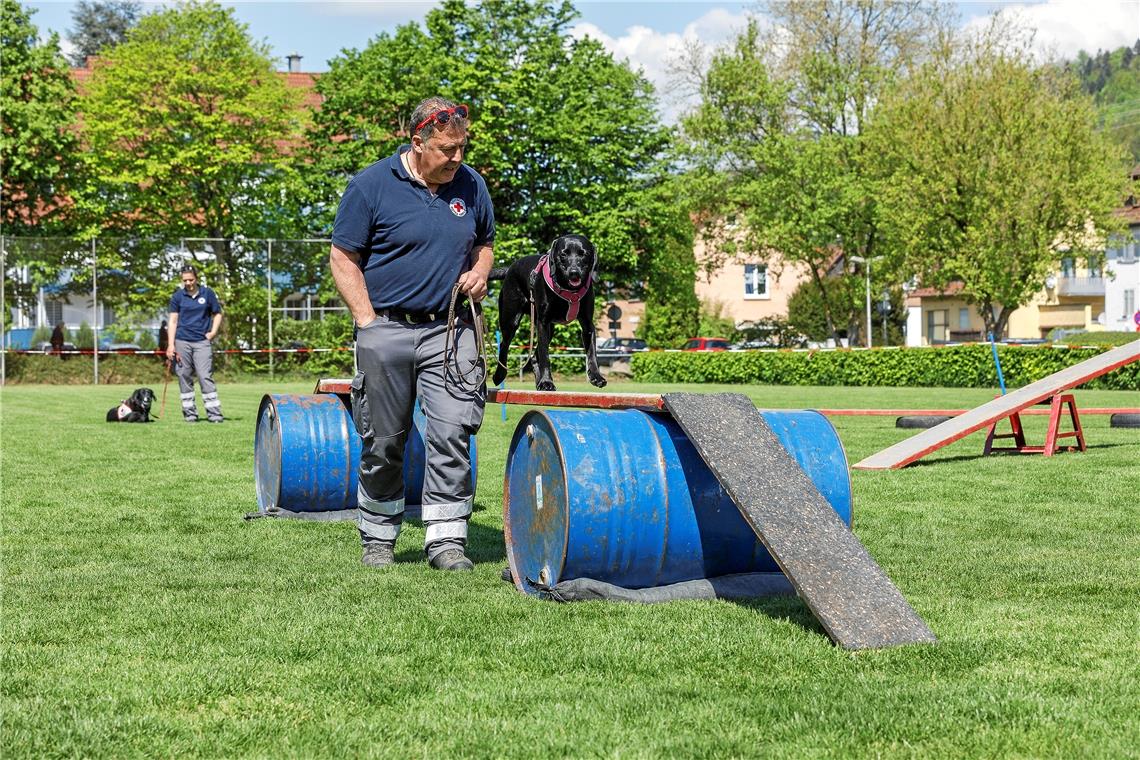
point(350, 283)
point(482, 259)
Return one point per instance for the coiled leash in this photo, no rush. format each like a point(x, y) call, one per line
point(451, 347)
point(167, 363)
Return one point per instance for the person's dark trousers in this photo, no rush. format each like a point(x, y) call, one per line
point(196, 358)
point(398, 362)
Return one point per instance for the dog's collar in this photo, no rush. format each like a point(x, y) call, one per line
point(571, 297)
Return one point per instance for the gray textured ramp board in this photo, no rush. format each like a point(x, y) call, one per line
point(846, 590)
point(918, 446)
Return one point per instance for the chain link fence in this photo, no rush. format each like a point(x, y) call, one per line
point(109, 296)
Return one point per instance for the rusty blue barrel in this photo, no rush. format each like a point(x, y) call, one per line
point(624, 497)
point(307, 454)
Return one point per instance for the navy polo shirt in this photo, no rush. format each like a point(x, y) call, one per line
point(413, 246)
point(194, 313)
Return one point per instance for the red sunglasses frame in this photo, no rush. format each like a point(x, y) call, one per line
point(444, 112)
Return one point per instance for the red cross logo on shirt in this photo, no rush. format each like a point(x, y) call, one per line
point(457, 206)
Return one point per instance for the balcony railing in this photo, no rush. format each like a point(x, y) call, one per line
point(1080, 286)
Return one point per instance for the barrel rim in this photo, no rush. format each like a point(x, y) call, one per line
point(842, 453)
point(520, 430)
point(267, 401)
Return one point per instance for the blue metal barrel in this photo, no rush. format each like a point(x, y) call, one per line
point(623, 497)
point(307, 454)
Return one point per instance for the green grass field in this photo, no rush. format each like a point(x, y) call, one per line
point(142, 617)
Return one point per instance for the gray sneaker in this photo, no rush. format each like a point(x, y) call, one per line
point(377, 554)
point(451, 559)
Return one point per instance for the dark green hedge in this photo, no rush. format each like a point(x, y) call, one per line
point(951, 367)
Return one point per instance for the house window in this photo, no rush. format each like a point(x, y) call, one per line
point(295, 307)
point(1067, 268)
point(1129, 303)
point(53, 311)
point(1096, 266)
point(937, 325)
point(963, 319)
point(755, 281)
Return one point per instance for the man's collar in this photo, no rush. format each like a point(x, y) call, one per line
point(398, 164)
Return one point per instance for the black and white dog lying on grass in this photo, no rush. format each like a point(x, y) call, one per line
point(134, 409)
point(558, 285)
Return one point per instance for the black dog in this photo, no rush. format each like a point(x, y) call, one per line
point(134, 409)
point(559, 287)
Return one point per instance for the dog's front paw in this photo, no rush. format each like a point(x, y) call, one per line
point(596, 378)
point(545, 385)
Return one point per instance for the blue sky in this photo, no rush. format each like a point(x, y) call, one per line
point(319, 30)
point(645, 33)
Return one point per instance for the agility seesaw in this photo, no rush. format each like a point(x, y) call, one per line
point(912, 449)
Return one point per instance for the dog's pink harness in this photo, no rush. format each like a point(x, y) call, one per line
point(124, 411)
point(571, 297)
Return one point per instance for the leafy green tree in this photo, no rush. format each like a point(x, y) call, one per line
point(777, 140)
point(191, 133)
point(99, 24)
point(567, 138)
point(994, 171)
point(1113, 79)
point(713, 321)
point(668, 267)
point(38, 144)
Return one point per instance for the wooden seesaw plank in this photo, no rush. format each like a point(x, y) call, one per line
point(918, 446)
point(846, 590)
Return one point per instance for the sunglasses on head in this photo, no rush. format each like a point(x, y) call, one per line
point(443, 116)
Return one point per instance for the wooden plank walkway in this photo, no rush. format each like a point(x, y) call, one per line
point(851, 596)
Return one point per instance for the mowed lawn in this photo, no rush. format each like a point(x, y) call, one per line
point(143, 617)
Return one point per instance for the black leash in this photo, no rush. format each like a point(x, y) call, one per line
point(451, 347)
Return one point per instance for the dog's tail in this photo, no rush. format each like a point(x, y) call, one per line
point(498, 273)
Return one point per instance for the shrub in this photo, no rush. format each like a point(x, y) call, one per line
point(84, 336)
point(952, 367)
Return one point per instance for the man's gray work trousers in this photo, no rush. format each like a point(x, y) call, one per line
point(197, 358)
point(396, 363)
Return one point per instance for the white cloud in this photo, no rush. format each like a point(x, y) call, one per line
point(652, 51)
point(1065, 27)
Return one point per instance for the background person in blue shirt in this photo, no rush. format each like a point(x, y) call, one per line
point(408, 229)
point(195, 316)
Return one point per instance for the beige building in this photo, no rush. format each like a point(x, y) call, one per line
point(1072, 301)
point(745, 289)
point(748, 288)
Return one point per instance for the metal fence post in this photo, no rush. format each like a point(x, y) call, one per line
point(3, 312)
point(95, 304)
point(269, 303)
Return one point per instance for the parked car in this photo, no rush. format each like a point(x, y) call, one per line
point(44, 347)
point(123, 348)
point(750, 345)
point(613, 350)
point(706, 344)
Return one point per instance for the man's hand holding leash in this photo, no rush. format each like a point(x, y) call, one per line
point(473, 282)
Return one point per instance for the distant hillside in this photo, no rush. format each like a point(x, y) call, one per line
point(1113, 79)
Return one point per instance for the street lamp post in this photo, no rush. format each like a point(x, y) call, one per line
point(867, 270)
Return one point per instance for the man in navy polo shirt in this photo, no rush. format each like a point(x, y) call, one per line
point(195, 316)
point(409, 228)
